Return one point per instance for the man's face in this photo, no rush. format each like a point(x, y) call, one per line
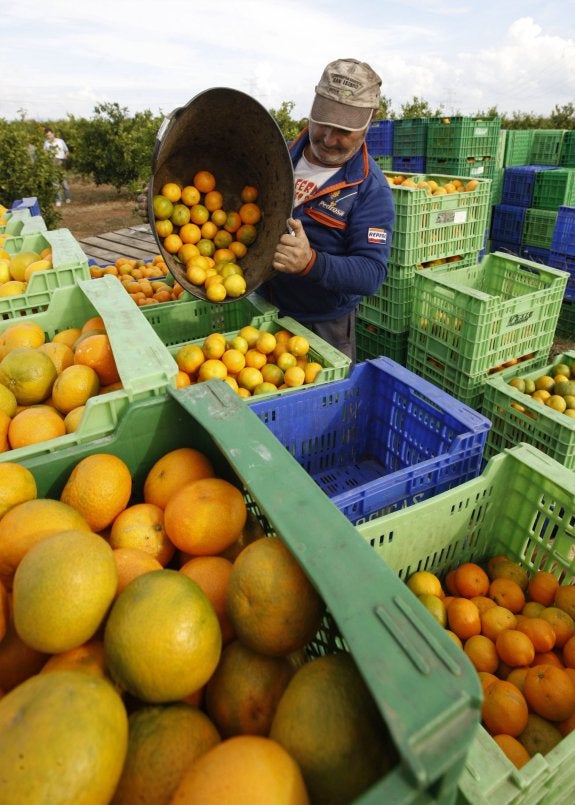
point(331, 146)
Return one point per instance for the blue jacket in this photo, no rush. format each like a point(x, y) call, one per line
point(349, 224)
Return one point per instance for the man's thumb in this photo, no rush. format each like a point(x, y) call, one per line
point(295, 226)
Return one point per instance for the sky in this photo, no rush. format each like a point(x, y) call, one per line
point(61, 58)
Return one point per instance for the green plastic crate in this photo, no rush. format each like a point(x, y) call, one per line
point(566, 320)
point(144, 364)
point(539, 226)
point(423, 685)
point(391, 306)
point(517, 147)
point(468, 388)
point(554, 189)
point(472, 167)
point(480, 317)
point(517, 418)
point(189, 322)
point(15, 220)
point(567, 155)
point(410, 137)
point(453, 138)
point(70, 265)
point(431, 227)
point(373, 340)
point(546, 146)
point(385, 163)
point(523, 506)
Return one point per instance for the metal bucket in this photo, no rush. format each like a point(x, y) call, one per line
point(234, 137)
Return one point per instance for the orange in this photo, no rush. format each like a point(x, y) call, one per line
point(540, 736)
point(550, 692)
point(547, 658)
point(249, 377)
point(73, 419)
point(172, 243)
point(173, 470)
point(507, 593)
point(212, 573)
point(504, 709)
point(163, 742)
point(60, 354)
point(190, 195)
point(514, 648)
point(189, 358)
point(482, 602)
point(542, 587)
point(69, 336)
point(131, 563)
point(539, 631)
point(18, 661)
point(88, 658)
point(565, 599)
point(568, 653)
point(30, 522)
point(532, 609)
point(298, 345)
point(205, 516)
point(204, 181)
point(164, 228)
point(255, 359)
point(562, 624)
point(172, 191)
point(96, 351)
point(245, 770)
point(74, 386)
point(182, 380)
point(423, 581)
point(250, 213)
point(99, 488)
point(471, 580)
point(142, 526)
point(17, 485)
point(162, 637)
point(246, 234)
point(508, 569)
point(485, 677)
point(22, 335)
point(35, 424)
point(482, 653)
point(273, 606)
point(463, 618)
point(75, 723)
point(233, 222)
point(294, 376)
point(328, 696)
point(266, 342)
point(190, 233)
point(311, 370)
point(238, 249)
point(212, 368)
point(233, 360)
point(208, 231)
point(242, 696)
point(62, 590)
point(214, 345)
point(250, 333)
point(517, 676)
point(249, 193)
point(512, 749)
point(29, 374)
point(213, 200)
point(199, 214)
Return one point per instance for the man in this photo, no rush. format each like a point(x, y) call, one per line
point(340, 234)
point(59, 150)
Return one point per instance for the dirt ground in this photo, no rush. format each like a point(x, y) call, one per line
point(97, 209)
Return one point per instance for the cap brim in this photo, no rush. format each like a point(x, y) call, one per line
point(339, 115)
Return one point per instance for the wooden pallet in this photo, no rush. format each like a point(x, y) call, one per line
point(136, 242)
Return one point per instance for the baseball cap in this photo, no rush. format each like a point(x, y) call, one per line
point(347, 93)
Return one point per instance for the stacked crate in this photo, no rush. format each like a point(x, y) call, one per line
point(429, 230)
point(567, 155)
point(410, 145)
point(524, 222)
point(562, 256)
point(463, 146)
point(470, 323)
point(379, 142)
point(546, 147)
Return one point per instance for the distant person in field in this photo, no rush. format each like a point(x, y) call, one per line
point(343, 216)
point(59, 150)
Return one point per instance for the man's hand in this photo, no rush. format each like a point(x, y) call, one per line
point(293, 251)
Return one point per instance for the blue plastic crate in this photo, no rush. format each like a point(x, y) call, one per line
point(519, 183)
point(31, 203)
point(409, 164)
point(535, 253)
point(505, 246)
point(564, 233)
point(507, 223)
point(379, 138)
point(564, 262)
point(379, 440)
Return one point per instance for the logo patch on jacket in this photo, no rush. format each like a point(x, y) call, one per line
point(375, 235)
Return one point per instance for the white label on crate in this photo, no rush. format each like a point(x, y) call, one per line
point(480, 131)
point(478, 171)
point(451, 217)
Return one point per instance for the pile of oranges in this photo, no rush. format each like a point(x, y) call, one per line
point(518, 630)
point(433, 187)
point(45, 384)
point(206, 238)
point(17, 269)
point(97, 587)
point(251, 362)
point(147, 282)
